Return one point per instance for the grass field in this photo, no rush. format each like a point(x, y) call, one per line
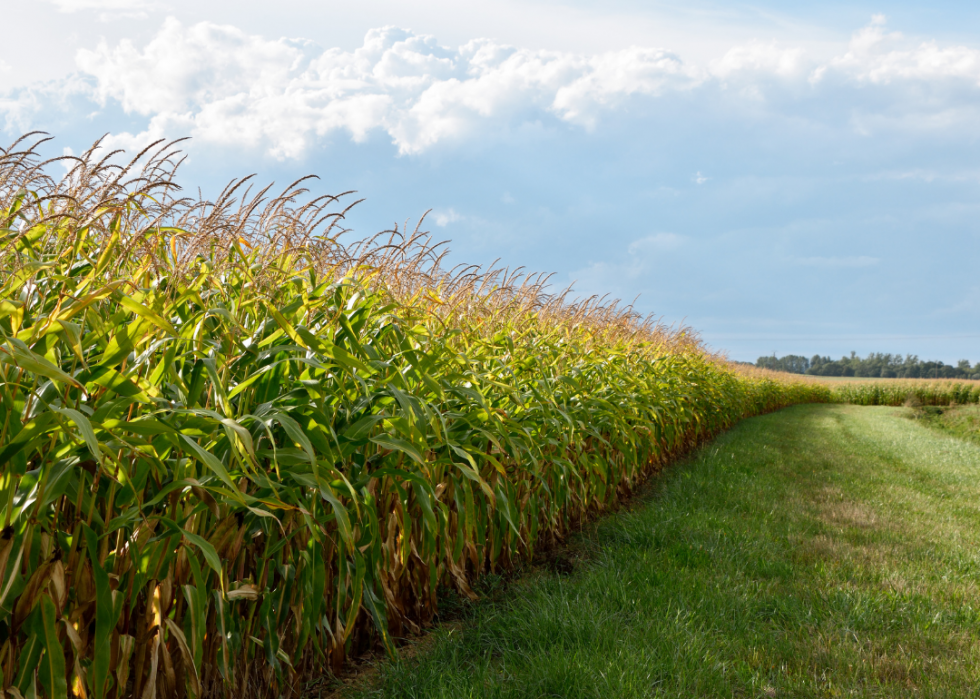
point(821, 551)
point(959, 421)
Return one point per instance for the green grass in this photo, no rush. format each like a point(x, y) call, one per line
point(961, 421)
point(822, 551)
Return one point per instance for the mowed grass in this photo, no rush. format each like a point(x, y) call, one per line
point(822, 551)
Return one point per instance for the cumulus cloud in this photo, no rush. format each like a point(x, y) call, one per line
point(899, 84)
point(19, 108)
point(878, 56)
point(18, 111)
point(221, 84)
point(759, 58)
point(224, 86)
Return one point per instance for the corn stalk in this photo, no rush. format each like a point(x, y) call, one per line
point(234, 451)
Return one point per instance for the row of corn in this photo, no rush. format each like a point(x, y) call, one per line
point(907, 392)
point(234, 452)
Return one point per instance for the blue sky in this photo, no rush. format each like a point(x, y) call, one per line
point(790, 178)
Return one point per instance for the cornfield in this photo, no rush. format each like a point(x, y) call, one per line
point(910, 391)
point(877, 391)
point(235, 451)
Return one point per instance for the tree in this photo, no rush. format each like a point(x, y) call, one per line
point(875, 365)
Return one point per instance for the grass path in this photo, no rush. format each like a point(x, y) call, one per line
point(822, 551)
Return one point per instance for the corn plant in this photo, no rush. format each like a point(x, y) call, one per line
point(911, 391)
point(235, 451)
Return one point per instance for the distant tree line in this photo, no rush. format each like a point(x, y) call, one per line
point(876, 364)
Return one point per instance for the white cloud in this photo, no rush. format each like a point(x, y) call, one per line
point(19, 109)
point(606, 80)
point(699, 178)
point(444, 217)
point(759, 58)
point(880, 57)
point(224, 86)
point(835, 262)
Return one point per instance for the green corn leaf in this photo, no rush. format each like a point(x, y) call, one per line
point(295, 433)
point(195, 623)
point(506, 507)
point(52, 668)
point(146, 427)
point(122, 344)
point(85, 427)
point(428, 515)
point(343, 519)
point(17, 354)
point(9, 307)
point(376, 607)
point(105, 618)
point(213, 463)
point(210, 554)
point(396, 444)
point(224, 631)
point(107, 377)
point(152, 316)
point(357, 590)
point(30, 653)
point(31, 433)
point(362, 428)
point(219, 389)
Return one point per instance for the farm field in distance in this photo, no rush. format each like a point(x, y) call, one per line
point(869, 379)
point(821, 551)
point(858, 379)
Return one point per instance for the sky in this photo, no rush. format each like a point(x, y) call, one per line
point(783, 177)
